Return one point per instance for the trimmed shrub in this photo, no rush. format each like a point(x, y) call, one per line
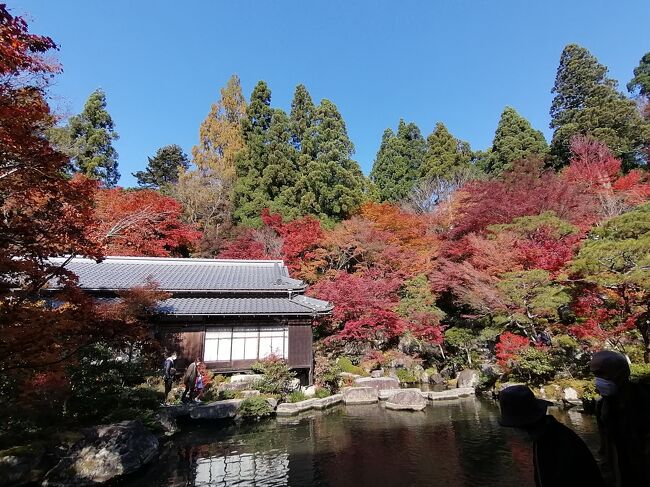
point(406, 376)
point(277, 377)
point(254, 408)
point(346, 365)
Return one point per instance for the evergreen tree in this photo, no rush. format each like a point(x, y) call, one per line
point(587, 102)
point(514, 140)
point(641, 80)
point(163, 168)
point(88, 140)
point(220, 134)
point(332, 185)
point(398, 161)
point(249, 198)
point(302, 121)
point(445, 155)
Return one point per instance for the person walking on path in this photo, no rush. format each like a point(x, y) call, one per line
point(623, 415)
point(189, 379)
point(560, 457)
point(169, 373)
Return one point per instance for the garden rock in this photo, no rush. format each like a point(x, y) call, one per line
point(249, 393)
point(309, 391)
point(376, 374)
point(165, 422)
point(105, 452)
point(408, 400)
point(20, 468)
point(570, 394)
point(273, 402)
point(436, 379)
point(245, 378)
point(360, 395)
point(216, 410)
point(377, 383)
point(467, 378)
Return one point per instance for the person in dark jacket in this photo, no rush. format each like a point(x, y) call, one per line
point(623, 415)
point(560, 457)
point(169, 373)
point(189, 379)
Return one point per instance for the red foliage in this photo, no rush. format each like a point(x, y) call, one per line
point(601, 315)
point(249, 244)
point(509, 346)
point(142, 222)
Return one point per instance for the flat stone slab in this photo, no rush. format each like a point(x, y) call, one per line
point(360, 395)
point(451, 394)
point(216, 410)
point(328, 401)
point(292, 408)
point(385, 394)
point(377, 383)
point(407, 400)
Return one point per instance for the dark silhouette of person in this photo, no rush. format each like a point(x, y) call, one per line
point(189, 379)
point(169, 372)
point(623, 415)
point(560, 457)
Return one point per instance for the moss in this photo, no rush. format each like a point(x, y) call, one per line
point(345, 364)
point(406, 376)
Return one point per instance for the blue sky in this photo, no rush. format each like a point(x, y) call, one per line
point(162, 63)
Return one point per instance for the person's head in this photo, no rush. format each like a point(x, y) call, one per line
point(173, 356)
point(611, 370)
point(197, 360)
point(520, 408)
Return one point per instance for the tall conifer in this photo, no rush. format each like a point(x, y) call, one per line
point(163, 168)
point(446, 155)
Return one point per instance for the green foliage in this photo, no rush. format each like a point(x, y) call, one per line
point(527, 226)
point(641, 80)
point(406, 376)
point(418, 299)
point(533, 366)
point(326, 373)
point(446, 155)
point(163, 168)
point(321, 393)
point(459, 338)
point(587, 102)
point(254, 408)
point(88, 140)
point(345, 364)
point(226, 394)
point(566, 342)
point(397, 165)
point(296, 396)
point(640, 373)
point(277, 377)
point(514, 140)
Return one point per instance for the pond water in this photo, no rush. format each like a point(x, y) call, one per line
point(450, 443)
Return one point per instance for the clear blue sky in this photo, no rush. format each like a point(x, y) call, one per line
point(162, 63)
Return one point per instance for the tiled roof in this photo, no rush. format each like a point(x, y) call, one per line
point(204, 275)
point(298, 305)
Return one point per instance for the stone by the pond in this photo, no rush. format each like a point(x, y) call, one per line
point(216, 410)
point(467, 378)
point(249, 393)
point(377, 373)
point(309, 391)
point(436, 379)
point(377, 383)
point(451, 394)
point(360, 395)
point(20, 467)
point(328, 401)
point(407, 399)
point(348, 375)
point(165, 422)
point(273, 402)
point(292, 408)
point(105, 452)
point(570, 394)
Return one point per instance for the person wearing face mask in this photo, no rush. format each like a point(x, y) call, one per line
point(623, 415)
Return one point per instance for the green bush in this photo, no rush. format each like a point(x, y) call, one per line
point(253, 408)
point(533, 366)
point(326, 373)
point(566, 342)
point(276, 376)
point(296, 396)
point(321, 392)
point(226, 394)
point(406, 377)
point(640, 373)
point(346, 365)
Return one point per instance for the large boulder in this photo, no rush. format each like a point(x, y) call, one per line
point(216, 410)
point(467, 378)
point(360, 395)
point(407, 400)
point(104, 453)
point(436, 379)
point(377, 383)
point(20, 466)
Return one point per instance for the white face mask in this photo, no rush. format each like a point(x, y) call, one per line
point(605, 387)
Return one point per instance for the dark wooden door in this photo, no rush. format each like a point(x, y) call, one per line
point(300, 346)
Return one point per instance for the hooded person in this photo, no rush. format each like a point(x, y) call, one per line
point(623, 415)
point(560, 457)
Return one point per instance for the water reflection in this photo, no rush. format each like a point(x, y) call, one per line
point(451, 443)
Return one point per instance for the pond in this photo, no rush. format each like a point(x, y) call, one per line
point(450, 443)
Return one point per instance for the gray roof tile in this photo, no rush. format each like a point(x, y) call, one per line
point(115, 273)
point(298, 305)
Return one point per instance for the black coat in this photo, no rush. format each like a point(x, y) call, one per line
point(562, 459)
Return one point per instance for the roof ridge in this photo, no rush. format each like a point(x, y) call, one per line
point(181, 260)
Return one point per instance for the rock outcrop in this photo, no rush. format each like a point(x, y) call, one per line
point(377, 383)
point(216, 410)
point(105, 453)
point(360, 395)
point(467, 378)
point(407, 399)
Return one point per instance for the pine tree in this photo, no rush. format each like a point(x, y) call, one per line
point(163, 168)
point(88, 140)
point(514, 140)
point(220, 135)
point(641, 80)
point(398, 161)
point(587, 102)
point(445, 155)
point(332, 185)
point(302, 121)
